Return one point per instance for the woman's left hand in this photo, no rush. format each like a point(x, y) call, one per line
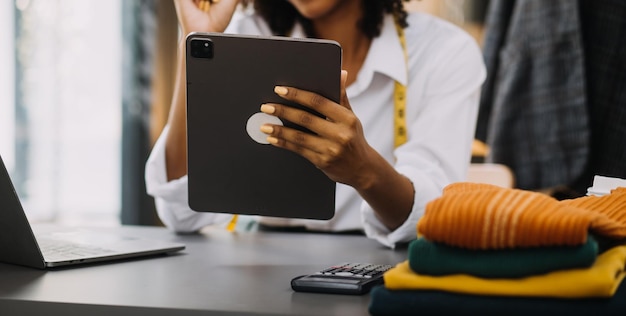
point(338, 147)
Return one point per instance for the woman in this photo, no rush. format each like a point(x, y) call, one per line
point(382, 188)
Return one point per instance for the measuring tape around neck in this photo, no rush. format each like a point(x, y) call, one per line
point(399, 98)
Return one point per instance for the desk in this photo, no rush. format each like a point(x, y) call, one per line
point(219, 273)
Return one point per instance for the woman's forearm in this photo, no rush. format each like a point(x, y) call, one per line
point(388, 192)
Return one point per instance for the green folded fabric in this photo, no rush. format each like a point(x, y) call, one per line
point(429, 258)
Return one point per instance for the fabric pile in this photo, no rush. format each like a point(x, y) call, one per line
point(491, 250)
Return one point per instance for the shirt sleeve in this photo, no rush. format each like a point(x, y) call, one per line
point(441, 121)
point(171, 197)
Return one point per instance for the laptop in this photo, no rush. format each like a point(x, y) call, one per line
point(62, 246)
point(231, 167)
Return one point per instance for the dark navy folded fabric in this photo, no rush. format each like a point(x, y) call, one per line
point(384, 302)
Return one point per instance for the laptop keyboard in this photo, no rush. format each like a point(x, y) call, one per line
point(59, 250)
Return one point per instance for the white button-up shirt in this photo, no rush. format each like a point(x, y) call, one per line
point(443, 77)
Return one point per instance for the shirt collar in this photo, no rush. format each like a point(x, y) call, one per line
point(385, 56)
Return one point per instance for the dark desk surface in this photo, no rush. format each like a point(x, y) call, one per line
point(220, 273)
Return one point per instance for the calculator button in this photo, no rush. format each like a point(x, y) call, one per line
point(345, 273)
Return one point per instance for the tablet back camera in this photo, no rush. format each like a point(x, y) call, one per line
point(202, 48)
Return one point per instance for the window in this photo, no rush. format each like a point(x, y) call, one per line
point(60, 128)
point(7, 87)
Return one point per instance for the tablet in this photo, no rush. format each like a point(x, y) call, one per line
point(231, 167)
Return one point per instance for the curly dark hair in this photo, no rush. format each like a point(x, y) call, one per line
point(282, 15)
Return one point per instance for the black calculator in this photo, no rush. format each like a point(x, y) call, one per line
point(346, 278)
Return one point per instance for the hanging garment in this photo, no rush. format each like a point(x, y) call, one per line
point(533, 106)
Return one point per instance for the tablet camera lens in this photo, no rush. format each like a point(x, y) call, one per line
point(201, 48)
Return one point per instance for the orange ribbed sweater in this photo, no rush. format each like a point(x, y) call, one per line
point(483, 216)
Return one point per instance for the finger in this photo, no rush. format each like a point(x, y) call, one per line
point(312, 156)
point(313, 101)
point(214, 18)
point(344, 95)
point(194, 5)
point(206, 5)
point(314, 123)
point(299, 138)
point(231, 5)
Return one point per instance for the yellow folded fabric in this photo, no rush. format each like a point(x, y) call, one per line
point(600, 280)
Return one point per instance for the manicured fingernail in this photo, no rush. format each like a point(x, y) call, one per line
point(280, 90)
point(266, 108)
point(267, 129)
point(272, 140)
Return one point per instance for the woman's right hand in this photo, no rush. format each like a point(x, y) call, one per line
point(193, 19)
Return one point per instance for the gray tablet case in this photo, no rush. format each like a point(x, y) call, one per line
point(228, 78)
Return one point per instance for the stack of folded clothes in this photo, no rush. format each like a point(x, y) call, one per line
point(487, 250)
